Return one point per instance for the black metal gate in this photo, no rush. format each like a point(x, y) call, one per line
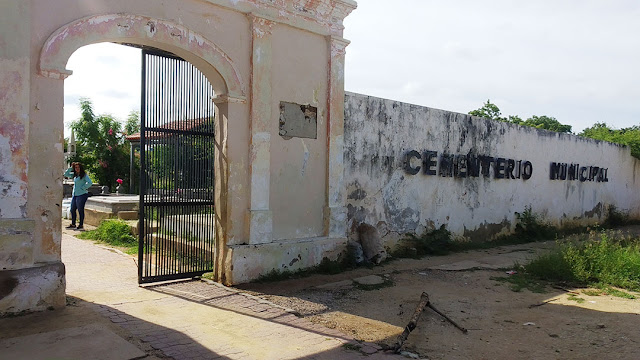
point(177, 212)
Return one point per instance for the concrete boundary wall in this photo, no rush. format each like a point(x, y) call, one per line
point(409, 169)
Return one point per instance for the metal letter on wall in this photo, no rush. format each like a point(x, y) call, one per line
point(177, 212)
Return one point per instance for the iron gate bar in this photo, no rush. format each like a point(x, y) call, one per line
point(177, 209)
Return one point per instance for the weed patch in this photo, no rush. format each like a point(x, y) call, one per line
point(530, 227)
point(604, 260)
point(592, 292)
point(608, 290)
point(113, 232)
point(521, 281)
point(208, 276)
point(574, 297)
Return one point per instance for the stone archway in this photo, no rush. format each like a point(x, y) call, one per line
point(282, 199)
point(142, 30)
point(217, 67)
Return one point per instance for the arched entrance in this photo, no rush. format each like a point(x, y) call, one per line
point(178, 234)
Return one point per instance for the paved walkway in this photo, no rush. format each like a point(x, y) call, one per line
point(195, 319)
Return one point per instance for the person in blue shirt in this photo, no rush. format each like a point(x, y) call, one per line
point(81, 184)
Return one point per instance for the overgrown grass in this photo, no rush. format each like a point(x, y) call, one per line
point(530, 227)
point(519, 282)
point(113, 232)
point(574, 297)
point(607, 261)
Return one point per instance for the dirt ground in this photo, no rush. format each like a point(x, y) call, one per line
point(501, 323)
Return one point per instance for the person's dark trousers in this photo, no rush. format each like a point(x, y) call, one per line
point(77, 203)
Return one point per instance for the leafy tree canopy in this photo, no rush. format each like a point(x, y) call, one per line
point(627, 136)
point(600, 131)
point(100, 146)
point(132, 125)
point(491, 111)
point(488, 111)
point(546, 122)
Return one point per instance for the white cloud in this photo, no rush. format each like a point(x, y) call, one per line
point(107, 74)
point(574, 60)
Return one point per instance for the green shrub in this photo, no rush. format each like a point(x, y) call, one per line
point(607, 259)
point(530, 227)
point(113, 232)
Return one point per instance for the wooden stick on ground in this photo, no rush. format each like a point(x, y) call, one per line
point(542, 303)
point(424, 301)
point(447, 318)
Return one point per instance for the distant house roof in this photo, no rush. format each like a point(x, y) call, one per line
point(181, 125)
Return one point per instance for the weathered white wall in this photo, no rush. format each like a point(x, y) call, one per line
point(380, 192)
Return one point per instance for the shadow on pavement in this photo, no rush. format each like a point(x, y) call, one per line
point(45, 334)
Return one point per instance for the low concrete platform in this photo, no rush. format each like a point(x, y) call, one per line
point(92, 341)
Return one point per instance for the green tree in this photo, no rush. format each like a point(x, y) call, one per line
point(488, 111)
point(132, 125)
point(626, 136)
point(546, 122)
point(100, 146)
point(492, 111)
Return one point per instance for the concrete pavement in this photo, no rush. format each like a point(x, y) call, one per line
point(180, 320)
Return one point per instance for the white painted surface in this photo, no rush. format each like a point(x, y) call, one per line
point(379, 133)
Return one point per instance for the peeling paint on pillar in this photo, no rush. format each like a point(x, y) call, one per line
point(13, 137)
point(32, 289)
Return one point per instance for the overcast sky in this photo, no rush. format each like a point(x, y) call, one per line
point(575, 60)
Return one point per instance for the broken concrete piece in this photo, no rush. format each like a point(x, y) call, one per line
point(372, 245)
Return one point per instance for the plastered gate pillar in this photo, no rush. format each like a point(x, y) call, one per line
point(31, 274)
point(229, 180)
point(260, 219)
point(336, 211)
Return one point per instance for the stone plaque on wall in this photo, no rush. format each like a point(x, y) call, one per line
point(298, 120)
